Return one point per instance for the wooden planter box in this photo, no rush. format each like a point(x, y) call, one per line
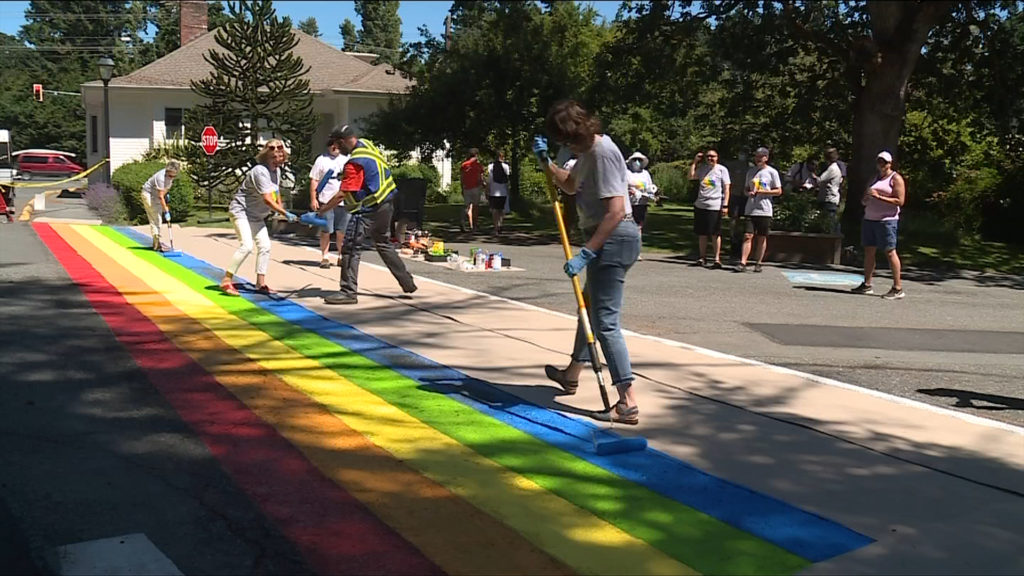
point(804, 247)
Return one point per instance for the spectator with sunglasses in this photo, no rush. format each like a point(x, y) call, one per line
point(257, 197)
point(711, 205)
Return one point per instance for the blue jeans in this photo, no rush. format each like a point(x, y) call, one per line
point(603, 290)
point(337, 220)
point(879, 233)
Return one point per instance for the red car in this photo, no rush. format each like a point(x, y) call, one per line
point(46, 164)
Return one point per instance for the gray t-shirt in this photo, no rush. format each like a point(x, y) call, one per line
point(601, 173)
point(761, 180)
point(248, 201)
point(828, 184)
point(711, 188)
point(157, 182)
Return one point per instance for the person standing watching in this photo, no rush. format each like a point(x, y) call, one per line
point(471, 175)
point(337, 220)
point(882, 204)
point(802, 175)
point(256, 198)
point(829, 183)
point(367, 185)
point(154, 198)
point(762, 184)
point(711, 205)
point(611, 248)
point(497, 191)
point(641, 190)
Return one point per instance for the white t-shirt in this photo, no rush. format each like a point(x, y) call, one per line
point(641, 187)
point(711, 187)
point(761, 180)
point(495, 188)
point(156, 182)
point(601, 173)
point(323, 163)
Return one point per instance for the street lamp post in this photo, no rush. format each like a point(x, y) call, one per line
point(106, 72)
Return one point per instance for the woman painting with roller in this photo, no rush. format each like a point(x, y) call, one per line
point(611, 248)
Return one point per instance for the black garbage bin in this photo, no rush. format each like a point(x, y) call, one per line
point(409, 204)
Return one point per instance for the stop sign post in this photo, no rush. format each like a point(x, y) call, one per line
point(210, 140)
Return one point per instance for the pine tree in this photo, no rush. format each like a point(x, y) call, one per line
point(309, 26)
point(258, 87)
point(349, 35)
point(381, 28)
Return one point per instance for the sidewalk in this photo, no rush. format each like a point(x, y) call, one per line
point(941, 492)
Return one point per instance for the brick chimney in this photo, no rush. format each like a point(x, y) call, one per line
point(192, 19)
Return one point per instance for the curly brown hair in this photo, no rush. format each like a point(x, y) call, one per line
point(570, 123)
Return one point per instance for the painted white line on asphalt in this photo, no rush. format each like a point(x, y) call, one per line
point(127, 555)
point(778, 369)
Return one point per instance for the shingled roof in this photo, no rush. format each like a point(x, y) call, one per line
point(330, 69)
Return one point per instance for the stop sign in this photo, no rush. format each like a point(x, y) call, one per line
point(210, 140)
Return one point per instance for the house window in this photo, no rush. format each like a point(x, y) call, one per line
point(94, 136)
point(174, 125)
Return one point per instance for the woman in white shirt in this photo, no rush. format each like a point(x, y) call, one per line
point(154, 198)
point(497, 190)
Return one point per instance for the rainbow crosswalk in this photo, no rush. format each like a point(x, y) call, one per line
point(372, 459)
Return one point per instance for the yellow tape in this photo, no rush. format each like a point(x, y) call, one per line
point(78, 176)
point(573, 535)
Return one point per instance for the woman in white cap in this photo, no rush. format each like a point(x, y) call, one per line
point(641, 189)
point(882, 203)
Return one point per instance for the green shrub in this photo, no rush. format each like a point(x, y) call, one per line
point(423, 171)
point(798, 212)
point(673, 180)
point(451, 194)
point(532, 183)
point(963, 202)
point(129, 178)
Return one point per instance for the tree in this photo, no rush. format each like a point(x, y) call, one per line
point(349, 35)
point(381, 31)
point(309, 26)
point(257, 88)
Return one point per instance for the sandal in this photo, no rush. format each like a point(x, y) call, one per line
point(229, 288)
point(267, 290)
point(620, 414)
point(558, 376)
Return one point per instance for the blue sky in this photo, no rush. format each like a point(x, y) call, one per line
point(328, 15)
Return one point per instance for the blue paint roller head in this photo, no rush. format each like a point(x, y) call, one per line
point(618, 445)
point(313, 219)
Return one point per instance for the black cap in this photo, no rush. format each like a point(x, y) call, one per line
point(340, 133)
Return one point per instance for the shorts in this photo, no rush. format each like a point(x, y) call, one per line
point(759, 225)
point(496, 202)
point(472, 195)
point(707, 222)
point(337, 220)
point(640, 214)
point(880, 234)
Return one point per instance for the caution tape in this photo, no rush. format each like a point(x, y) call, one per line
point(78, 176)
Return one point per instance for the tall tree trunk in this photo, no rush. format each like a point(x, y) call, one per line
point(899, 32)
point(513, 181)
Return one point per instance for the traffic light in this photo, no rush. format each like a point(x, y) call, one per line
point(37, 92)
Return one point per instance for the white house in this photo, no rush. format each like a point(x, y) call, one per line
point(147, 106)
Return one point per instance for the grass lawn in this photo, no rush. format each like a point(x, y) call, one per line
point(669, 229)
point(203, 219)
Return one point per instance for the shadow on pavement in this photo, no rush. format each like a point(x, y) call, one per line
point(967, 399)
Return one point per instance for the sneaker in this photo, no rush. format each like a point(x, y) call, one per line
point(717, 265)
point(700, 262)
point(410, 289)
point(894, 294)
point(639, 257)
point(325, 263)
point(863, 289)
point(340, 298)
point(757, 268)
point(741, 268)
point(156, 243)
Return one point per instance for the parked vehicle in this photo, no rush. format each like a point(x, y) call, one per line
point(31, 165)
point(7, 167)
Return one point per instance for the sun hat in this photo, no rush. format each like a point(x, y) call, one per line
point(643, 159)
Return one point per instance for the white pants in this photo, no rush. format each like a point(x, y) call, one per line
point(153, 212)
point(249, 230)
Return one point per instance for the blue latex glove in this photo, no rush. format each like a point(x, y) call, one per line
point(167, 216)
point(291, 217)
point(577, 263)
point(540, 150)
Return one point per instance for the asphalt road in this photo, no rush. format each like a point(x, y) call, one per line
point(956, 340)
point(90, 450)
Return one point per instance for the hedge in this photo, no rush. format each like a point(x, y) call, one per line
point(129, 178)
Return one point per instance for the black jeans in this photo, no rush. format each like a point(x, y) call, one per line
point(377, 224)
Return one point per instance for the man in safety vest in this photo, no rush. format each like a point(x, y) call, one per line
point(368, 191)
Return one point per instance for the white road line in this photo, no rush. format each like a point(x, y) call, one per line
point(132, 554)
point(778, 369)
